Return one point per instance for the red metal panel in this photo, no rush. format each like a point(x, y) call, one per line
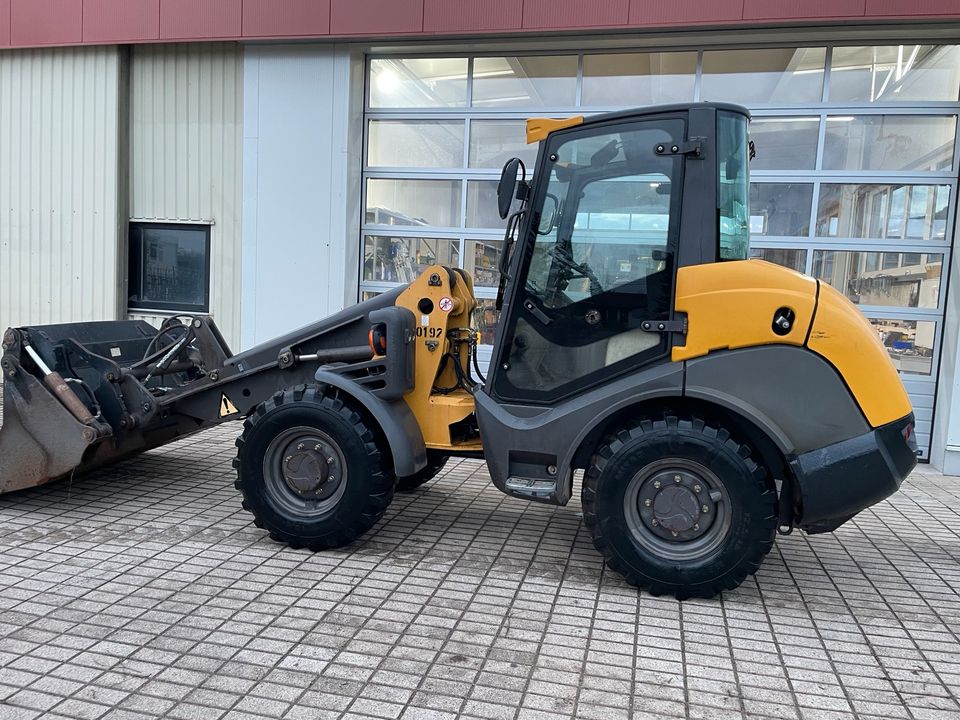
point(908, 8)
point(53, 22)
point(574, 14)
point(801, 9)
point(4, 22)
point(375, 17)
point(469, 15)
point(199, 19)
point(684, 12)
point(121, 20)
point(279, 18)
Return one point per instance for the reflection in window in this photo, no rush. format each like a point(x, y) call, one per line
point(916, 212)
point(781, 75)
point(629, 79)
point(418, 82)
point(882, 278)
point(785, 143)
point(895, 73)
point(415, 143)
point(889, 142)
point(482, 210)
point(402, 259)
point(908, 342)
point(485, 320)
point(493, 142)
point(788, 257)
point(480, 259)
point(413, 202)
point(780, 209)
point(529, 81)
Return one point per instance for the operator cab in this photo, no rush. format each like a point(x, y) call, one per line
point(590, 295)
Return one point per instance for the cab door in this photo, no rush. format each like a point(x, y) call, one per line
point(595, 277)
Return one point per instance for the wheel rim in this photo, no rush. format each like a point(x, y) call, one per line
point(677, 509)
point(304, 470)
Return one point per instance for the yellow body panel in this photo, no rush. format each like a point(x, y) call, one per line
point(539, 128)
point(845, 337)
point(731, 305)
point(436, 412)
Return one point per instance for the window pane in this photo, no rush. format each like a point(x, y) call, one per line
point(493, 142)
point(413, 202)
point(883, 211)
point(638, 78)
point(480, 257)
point(418, 82)
point(780, 209)
point(402, 259)
point(734, 186)
point(909, 343)
point(169, 267)
point(889, 142)
point(895, 73)
point(528, 81)
point(784, 75)
point(485, 320)
point(482, 210)
point(875, 278)
point(406, 143)
point(789, 258)
point(785, 143)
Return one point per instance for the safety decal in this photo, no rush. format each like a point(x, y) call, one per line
point(227, 407)
point(446, 304)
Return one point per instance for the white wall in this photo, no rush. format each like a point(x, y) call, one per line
point(186, 148)
point(60, 184)
point(302, 139)
point(945, 450)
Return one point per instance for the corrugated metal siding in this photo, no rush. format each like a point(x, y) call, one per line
point(186, 145)
point(59, 185)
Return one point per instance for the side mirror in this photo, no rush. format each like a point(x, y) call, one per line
point(548, 215)
point(507, 185)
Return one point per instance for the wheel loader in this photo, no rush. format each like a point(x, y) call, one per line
point(700, 400)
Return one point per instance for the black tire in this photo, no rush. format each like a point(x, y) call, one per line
point(643, 494)
point(296, 439)
point(435, 463)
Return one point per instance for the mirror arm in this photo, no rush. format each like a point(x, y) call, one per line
point(504, 265)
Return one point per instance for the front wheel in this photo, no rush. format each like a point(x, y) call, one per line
point(679, 507)
point(311, 470)
point(435, 463)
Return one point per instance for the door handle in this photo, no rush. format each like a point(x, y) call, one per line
point(532, 308)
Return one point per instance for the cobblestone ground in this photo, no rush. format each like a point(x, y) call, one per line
point(146, 592)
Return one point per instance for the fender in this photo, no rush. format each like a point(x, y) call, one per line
point(395, 419)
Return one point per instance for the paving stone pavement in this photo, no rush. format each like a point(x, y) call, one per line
point(144, 591)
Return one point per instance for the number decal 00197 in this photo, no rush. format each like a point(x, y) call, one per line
point(429, 332)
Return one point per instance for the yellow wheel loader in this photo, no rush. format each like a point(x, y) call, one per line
point(709, 400)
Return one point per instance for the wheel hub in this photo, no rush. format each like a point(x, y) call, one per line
point(676, 505)
point(312, 467)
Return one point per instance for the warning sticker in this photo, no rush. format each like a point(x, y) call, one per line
point(446, 304)
point(227, 407)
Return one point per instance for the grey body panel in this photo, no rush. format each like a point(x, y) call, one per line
point(525, 440)
point(791, 393)
point(395, 418)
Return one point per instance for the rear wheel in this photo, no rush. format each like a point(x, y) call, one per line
point(311, 471)
point(679, 507)
point(435, 463)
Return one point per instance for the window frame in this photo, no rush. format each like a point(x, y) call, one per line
point(134, 275)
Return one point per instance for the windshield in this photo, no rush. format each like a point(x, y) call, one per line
point(734, 195)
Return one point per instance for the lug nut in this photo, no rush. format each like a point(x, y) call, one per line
point(673, 532)
point(300, 446)
point(330, 461)
point(656, 484)
point(696, 488)
point(330, 477)
point(317, 448)
point(706, 508)
point(676, 478)
point(648, 502)
point(696, 526)
point(654, 522)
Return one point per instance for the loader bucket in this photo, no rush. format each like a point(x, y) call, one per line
point(39, 439)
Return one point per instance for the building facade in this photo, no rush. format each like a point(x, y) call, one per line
point(270, 162)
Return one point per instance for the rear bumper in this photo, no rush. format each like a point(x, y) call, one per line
point(836, 482)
